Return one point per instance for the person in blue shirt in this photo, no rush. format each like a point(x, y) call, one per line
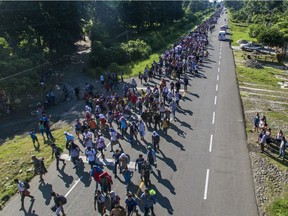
point(131, 204)
point(128, 174)
point(34, 138)
point(148, 201)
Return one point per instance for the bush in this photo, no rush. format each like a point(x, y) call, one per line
point(254, 30)
point(136, 49)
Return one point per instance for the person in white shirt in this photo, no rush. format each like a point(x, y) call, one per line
point(91, 156)
point(114, 139)
point(23, 191)
point(141, 129)
point(88, 135)
point(100, 143)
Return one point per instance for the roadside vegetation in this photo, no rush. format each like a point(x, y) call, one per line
point(260, 89)
point(125, 36)
point(16, 162)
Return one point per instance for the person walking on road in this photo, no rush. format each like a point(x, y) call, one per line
point(148, 201)
point(155, 141)
point(57, 153)
point(74, 152)
point(141, 128)
point(116, 157)
point(131, 205)
point(145, 173)
point(59, 201)
point(138, 164)
point(95, 172)
point(68, 137)
point(39, 167)
point(91, 156)
point(128, 174)
point(23, 190)
point(151, 156)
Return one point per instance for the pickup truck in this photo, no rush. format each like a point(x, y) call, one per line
point(251, 46)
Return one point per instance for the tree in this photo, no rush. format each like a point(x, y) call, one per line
point(271, 37)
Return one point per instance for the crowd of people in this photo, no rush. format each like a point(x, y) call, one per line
point(123, 114)
point(265, 138)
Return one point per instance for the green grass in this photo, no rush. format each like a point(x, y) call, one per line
point(279, 207)
point(239, 31)
point(15, 160)
point(258, 76)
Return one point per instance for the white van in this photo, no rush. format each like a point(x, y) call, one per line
point(222, 35)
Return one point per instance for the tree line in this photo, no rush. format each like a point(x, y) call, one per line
point(268, 22)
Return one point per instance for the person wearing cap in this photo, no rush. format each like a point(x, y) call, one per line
point(68, 137)
point(148, 201)
point(114, 140)
point(131, 204)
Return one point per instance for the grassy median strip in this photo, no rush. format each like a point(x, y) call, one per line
point(15, 160)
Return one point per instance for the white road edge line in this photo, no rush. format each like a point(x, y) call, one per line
point(213, 120)
point(215, 100)
point(206, 184)
point(217, 77)
point(216, 87)
point(73, 186)
point(218, 70)
point(211, 141)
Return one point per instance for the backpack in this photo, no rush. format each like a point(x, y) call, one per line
point(62, 199)
point(25, 185)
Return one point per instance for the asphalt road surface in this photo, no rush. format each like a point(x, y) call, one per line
point(203, 168)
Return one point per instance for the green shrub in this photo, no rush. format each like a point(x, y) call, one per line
point(136, 49)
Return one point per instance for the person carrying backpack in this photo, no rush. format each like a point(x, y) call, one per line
point(95, 172)
point(105, 182)
point(59, 201)
point(23, 190)
point(39, 167)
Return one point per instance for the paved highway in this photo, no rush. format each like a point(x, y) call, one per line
point(203, 169)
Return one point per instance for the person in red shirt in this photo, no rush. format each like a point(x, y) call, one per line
point(133, 100)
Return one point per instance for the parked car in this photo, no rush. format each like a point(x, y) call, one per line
point(251, 46)
point(224, 28)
